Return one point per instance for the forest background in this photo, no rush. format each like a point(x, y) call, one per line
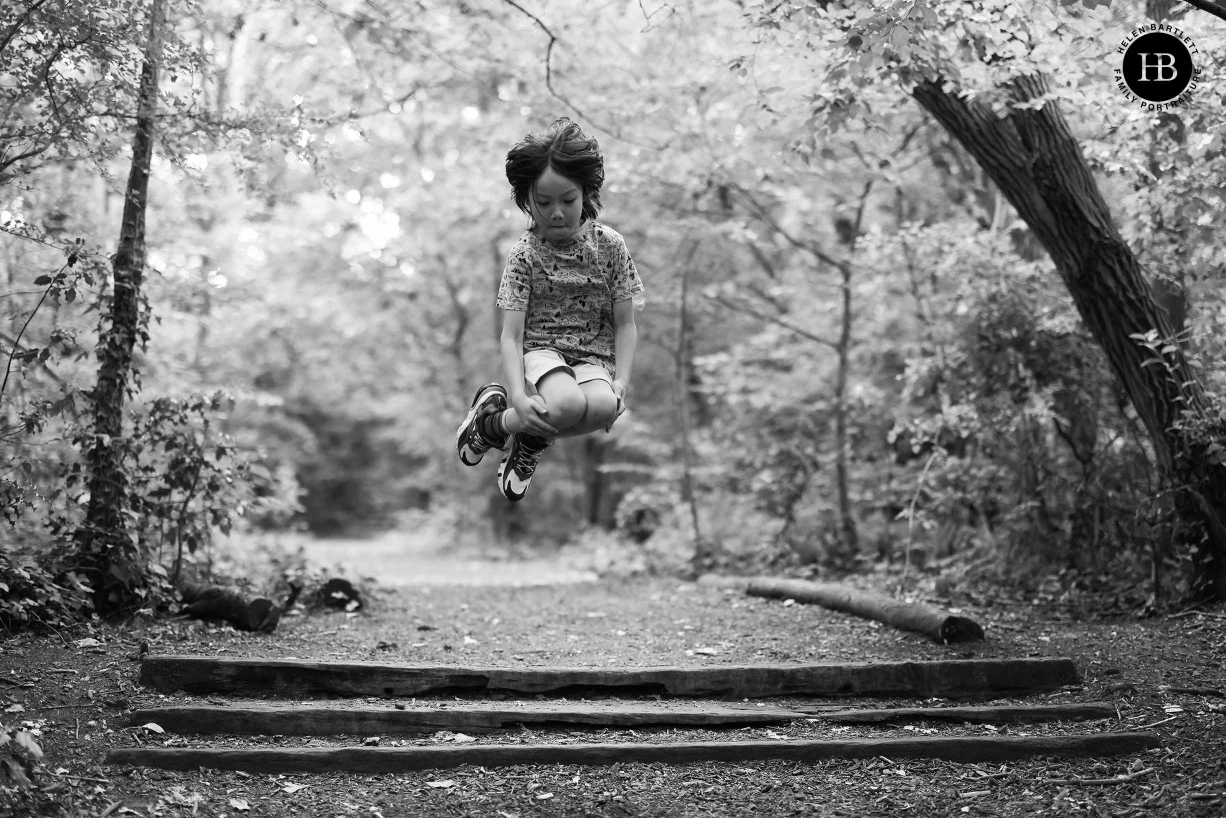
point(856, 351)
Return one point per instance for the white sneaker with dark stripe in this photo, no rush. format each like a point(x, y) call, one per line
point(470, 443)
point(518, 465)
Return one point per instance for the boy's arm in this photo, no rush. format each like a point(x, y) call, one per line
point(513, 353)
point(530, 410)
point(626, 338)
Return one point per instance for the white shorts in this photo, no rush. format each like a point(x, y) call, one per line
point(540, 362)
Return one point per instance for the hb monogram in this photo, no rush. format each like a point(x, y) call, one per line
point(1164, 64)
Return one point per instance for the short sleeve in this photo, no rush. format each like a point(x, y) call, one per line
point(625, 281)
point(516, 285)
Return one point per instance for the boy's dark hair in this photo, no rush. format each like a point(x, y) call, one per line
point(571, 152)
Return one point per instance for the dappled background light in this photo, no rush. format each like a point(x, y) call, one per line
point(854, 354)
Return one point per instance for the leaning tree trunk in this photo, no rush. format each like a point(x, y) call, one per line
point(108, 554)
point(1033, 157)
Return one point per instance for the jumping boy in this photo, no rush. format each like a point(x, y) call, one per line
point(567, 297)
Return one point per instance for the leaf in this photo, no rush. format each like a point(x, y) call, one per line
point(153, 727)
point(240, 804)
point(26, 742)
point(447, 783)
point(460, 738)
point(16, 773)
point(706, 651)
point(42, 281)
point(15, 708)
point(292, 788)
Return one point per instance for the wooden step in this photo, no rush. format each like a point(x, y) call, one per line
point(257, 718)
point(999, 714)
point(298, 678)
point(252, 718)
point(373, 760)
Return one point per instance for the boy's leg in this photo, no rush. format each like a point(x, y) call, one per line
point(601, 411)
point(564, 398)
point(471, 442)
point(567, 405)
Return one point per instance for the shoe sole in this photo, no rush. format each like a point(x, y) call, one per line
point(503, 488)
point(460, 432)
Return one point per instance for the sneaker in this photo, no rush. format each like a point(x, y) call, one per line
point(469, 441)
point(515, 471)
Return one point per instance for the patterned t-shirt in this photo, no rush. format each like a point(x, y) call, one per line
point(568, 290)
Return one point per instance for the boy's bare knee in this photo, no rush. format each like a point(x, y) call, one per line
point(567, 410)
point(601, 409)
point(564, 400)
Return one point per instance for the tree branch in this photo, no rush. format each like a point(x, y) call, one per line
point(760, 212)
point(748, 310)
point(12, 32)
point(8, 368)
point(7, 162)
point(1209, 7)
point(553, 39)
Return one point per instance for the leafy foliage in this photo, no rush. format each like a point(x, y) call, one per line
point(19, 756)
point(184, 479)
point(329, 224)
point(32, 596)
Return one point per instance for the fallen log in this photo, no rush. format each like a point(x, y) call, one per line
point(909, 616)
point(1004, 714)
point(262, 719)
point(375, 760)
point(298, 678)
point(257, 614)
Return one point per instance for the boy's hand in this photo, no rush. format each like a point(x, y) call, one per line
point(619, 391)
point(532, 412)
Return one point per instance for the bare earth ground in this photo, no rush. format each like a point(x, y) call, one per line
point(85, 684)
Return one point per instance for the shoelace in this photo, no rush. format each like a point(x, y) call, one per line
point(476, 439)
point(526, 460)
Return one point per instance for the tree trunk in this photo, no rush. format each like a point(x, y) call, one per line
point(684, 362)
point(108, 551)
point(596, 482)
point(1033, 157)
point(847, 520)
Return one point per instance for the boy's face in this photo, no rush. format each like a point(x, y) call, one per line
point(557, 205)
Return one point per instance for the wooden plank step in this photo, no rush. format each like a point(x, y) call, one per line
point(999, 714)
point(253, 718)
point(968, 749)
point(299, 678)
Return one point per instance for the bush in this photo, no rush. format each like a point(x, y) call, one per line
point(31, 596)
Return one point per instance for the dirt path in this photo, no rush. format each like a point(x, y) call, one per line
point(404, 559)
point(82, 691)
